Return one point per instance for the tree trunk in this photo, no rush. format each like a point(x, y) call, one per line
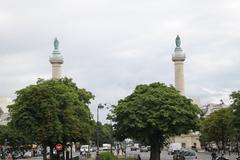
point(237, 148)
point(155, 150)
point(23, 151)
point(218, 147)
point(51, 152)
point(71, 150)
point(111, 147)
point(223, 145)
point(44, 152)
point(63, 150)
point(223, 139)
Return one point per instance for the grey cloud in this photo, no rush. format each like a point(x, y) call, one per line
point(109, 47)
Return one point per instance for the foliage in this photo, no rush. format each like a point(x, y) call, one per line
point(218, 126)
point(153, 113)
point(128, 158)
point(9, 136)
point(107, 156)
point(105, 133)
point(53, 111)
point(235, 97)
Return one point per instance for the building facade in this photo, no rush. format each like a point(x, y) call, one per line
point(212, 107)
point(4, 113)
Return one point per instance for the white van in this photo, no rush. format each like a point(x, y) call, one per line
point(174, 147)
point(84, 148)
point(106, 147)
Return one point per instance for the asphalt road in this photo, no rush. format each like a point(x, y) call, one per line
point(165, 156)
point(146, 155)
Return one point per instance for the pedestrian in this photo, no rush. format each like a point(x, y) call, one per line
point(117, 151)
point(9, 156)
point(214, 155)
point(138, 157)
point(84, 153)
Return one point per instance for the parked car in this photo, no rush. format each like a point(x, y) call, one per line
point(27, 154)
point(94, 149)
point(149, 148)
point(174, 147)
point(17, 155)
point(143, 149)
point(185, 155)
point(134, 148)
point(194, 148)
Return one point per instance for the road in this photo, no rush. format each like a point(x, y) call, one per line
point(146, 155)
point(165, 156)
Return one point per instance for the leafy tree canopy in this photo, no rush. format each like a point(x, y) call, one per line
point(235, 97)
point(105, 133)
point(218, 126)
point(9, 136)
point(53, 111)
point(153, 113)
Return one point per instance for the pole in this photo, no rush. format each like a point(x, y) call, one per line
point(5, 149)
point(111, 139)
point(125, 149)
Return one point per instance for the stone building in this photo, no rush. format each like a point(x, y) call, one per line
point(212, 107)
point(4, 114)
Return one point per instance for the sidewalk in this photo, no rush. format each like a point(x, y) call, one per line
point(41, 158)
point(232, 156)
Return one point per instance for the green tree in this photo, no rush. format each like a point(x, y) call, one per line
point(52, 111)
point(217, 127)
point(105, 133)
point(235, 98)
point(11, 137)
point(152, 114)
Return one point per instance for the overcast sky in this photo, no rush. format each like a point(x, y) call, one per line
point(110, 46)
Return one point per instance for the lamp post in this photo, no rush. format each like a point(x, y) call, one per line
point(100, 106)
point(110, 106)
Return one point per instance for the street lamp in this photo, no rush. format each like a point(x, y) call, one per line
point(110, 106)
point(100, 106)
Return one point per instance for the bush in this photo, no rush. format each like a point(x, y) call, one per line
point(128, 158)
point(107, 156)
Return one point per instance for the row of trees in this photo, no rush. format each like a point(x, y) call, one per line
point(51, 112)
point(222, 127)
point(56, 111)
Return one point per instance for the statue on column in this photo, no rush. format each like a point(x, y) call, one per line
point(56, 44)
point(178, 41)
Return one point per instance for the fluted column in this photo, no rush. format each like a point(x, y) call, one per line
point(178, 58)
point(56, 60)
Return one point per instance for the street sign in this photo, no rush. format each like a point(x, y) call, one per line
point(58, 147)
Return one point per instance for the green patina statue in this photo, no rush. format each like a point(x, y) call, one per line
point(56, 44)
point(178, 41)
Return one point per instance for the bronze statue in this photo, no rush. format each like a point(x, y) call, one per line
point(178, 41)
point(56, 44)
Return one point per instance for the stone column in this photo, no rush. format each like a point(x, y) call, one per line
point(178, 58)
point(179, 76)
point(56, 60)
point(56, 70)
